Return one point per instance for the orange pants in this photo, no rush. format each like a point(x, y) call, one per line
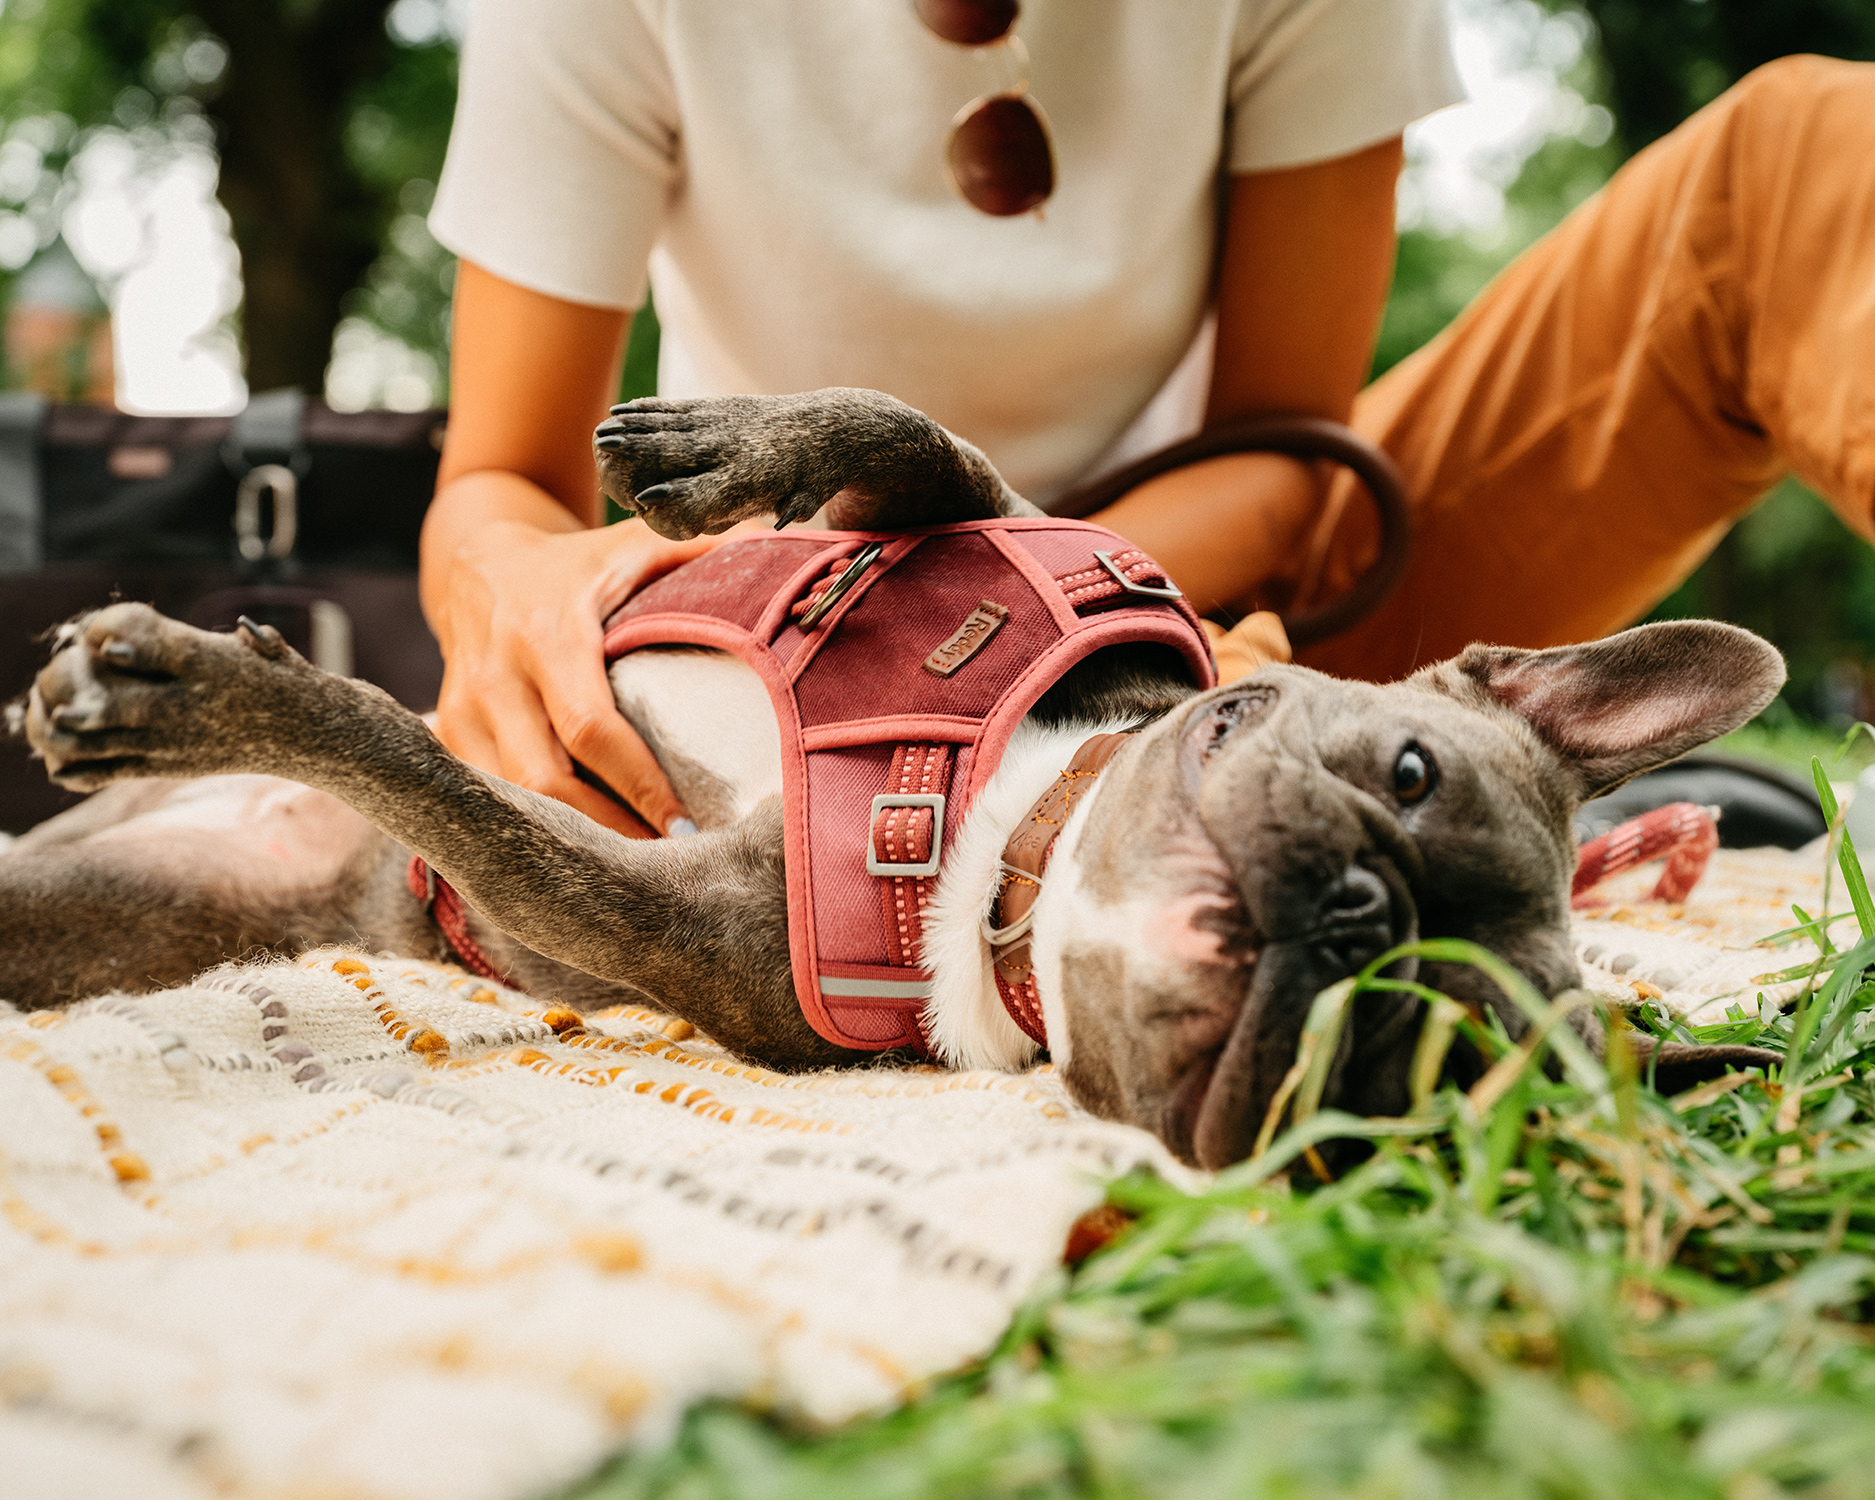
point(1582, 436)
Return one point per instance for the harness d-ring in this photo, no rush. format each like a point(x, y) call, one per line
point(862, 560)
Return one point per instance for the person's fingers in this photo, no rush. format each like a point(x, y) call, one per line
point(458, 724)
point(462, 732)
point(530, 756)
point(526, 695)
point(647, 557)
point(600, 808)
point(586, 720)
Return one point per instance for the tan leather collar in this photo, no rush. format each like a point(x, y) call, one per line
point(1025, 857)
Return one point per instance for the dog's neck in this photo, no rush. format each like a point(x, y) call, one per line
point(965, 1017)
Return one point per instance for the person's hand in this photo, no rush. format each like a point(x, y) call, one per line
point(518, 611)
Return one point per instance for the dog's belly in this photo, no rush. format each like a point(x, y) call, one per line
point(258, 833)
point(708, 719)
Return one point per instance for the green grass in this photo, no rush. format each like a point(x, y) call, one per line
point(1555, 1284)
point(1781, 737)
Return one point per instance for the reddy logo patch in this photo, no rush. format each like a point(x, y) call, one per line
point(971, 637)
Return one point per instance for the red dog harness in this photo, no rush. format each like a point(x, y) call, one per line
point(899, 664)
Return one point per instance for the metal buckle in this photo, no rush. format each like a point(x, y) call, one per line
point(880, 803)
point(862, 560)
point(1170, 591)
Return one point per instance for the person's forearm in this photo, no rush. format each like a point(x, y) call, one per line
point(1229, 530)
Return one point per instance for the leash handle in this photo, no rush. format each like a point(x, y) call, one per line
point(1682, 831)
point(1299, 437)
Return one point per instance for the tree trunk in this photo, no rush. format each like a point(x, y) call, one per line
point(308, 228)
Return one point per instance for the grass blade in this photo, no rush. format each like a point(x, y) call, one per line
point(1846, 860)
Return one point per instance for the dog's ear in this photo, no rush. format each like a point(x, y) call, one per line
point(1616, 707)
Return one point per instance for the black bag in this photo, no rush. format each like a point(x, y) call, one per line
point(305, 518)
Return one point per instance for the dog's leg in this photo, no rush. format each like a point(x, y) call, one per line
point(697, 924)
point(693, 466)
point(80, 920)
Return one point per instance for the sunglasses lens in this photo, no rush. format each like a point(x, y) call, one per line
point(1001, 159)
point(971, 23)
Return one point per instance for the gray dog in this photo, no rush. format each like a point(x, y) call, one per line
point(1246, 847)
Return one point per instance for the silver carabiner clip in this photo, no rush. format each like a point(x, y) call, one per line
point(283, 485)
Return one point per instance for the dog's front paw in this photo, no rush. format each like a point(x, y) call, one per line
point(129, 692)
point(701, 465)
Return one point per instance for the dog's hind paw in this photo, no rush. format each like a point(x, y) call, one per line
point(129, 692)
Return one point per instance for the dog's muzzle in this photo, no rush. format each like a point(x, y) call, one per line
point(1219, 1105)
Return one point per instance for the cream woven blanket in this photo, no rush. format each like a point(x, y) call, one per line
point(354, 1226)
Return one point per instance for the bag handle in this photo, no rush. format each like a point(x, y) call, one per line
point(1298, 437)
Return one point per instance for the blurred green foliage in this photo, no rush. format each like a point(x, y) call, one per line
point(329, 125)
point(1667, 58)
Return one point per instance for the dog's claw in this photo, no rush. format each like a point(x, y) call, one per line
point(118, 653)
point(653, 495)
point(797, 507)
point(263, 638)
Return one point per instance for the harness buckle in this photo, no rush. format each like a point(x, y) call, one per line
point(1170, 591)
point(932, 800)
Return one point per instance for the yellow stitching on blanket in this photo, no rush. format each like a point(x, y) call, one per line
point(919, 1085)
point(608, 1251)
point(256, 1143)
point(35, 1225)
point(419, 1036)
point(128, 1166)
point(699, 1101)
point(739, 1300)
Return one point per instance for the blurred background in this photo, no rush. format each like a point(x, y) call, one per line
point(199, 197)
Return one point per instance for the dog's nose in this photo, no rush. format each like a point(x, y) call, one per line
point(1357, 917)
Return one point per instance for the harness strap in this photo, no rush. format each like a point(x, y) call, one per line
point(906, 835)
point(439, 898)
point(1114, 575)
point(1025, 858)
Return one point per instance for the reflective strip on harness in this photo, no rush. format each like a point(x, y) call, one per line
point(875, 989)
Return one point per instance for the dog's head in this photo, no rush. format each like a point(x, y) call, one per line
point(1268, 838)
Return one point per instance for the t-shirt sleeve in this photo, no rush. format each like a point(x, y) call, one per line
point(1315, 79)
point(564, 148)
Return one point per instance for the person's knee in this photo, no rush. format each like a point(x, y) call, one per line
point(1803, 82)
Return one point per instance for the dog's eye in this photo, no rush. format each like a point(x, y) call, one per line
point(1413, 774)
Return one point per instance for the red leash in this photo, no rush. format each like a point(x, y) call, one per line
point(1681, 831)
point(440, 897)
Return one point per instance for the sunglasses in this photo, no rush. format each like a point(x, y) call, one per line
point(999, 154)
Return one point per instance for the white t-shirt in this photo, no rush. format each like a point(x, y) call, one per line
point(779, 167)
